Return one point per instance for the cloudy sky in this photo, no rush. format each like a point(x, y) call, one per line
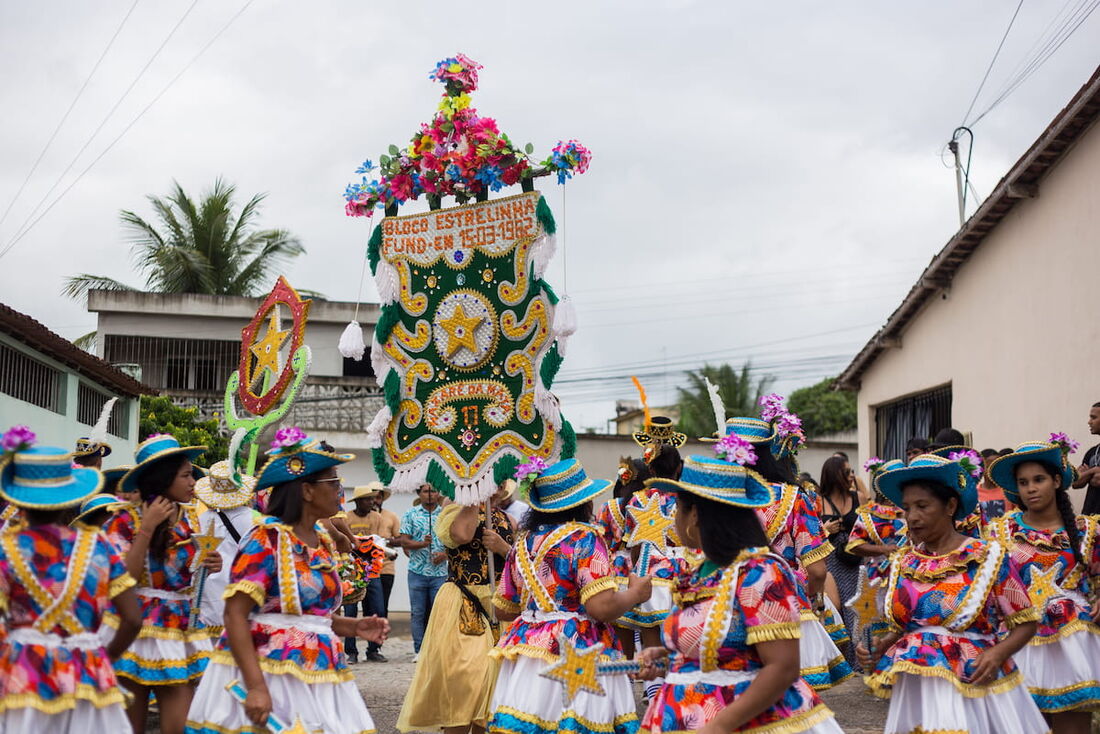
point(767, 180)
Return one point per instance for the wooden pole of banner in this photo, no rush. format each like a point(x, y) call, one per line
point(491, 562)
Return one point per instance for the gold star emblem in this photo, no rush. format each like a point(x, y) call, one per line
point(865, 602)
point(1043, 585)
point(298, 728)
point(460, 330)
point(651, 525)
point(266, 350)
point(206, 544)
point(575, 669)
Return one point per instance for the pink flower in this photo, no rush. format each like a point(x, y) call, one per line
point(287, 437)
point(735, 450)
point(1067, 444)
point(871, 465)
point(969, 461)
point(788, 425)
point(18, 438)
point(771, 406)
point(535, 465)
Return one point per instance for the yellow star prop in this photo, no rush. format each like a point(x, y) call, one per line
point(865, 602)
point(298, 728)
point(267, 349)
point(575, 669)
point(651, 525)
point(460, 330)
point(1043, 585)
point(206, 544)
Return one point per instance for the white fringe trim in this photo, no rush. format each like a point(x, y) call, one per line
point(547, 405)
point(377, 428)
point(409, 477)
point(474, 493)
point(351, 343)
point(542, 252)
point(388, 282)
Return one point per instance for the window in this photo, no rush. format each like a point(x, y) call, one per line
point(362, 368)
point(176, 364)
point(25, 378)
point(922, 415)
point(89, 404)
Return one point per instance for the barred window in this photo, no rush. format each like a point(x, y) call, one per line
point(89, 404)
point(917, 416)
point(25, 378)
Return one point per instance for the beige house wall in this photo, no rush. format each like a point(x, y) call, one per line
point(1017, 335)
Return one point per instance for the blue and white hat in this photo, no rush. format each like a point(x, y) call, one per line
point(43, 477)
point(1003, 470)
point(564, 485)
point(720, 481)
point(153, 449)
point(114, 474)
point(99, 502)
point(295, 455)
point(938, 469)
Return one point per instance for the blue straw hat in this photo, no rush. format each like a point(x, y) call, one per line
point(114, 474)
point(564, 485)
point(721, 481)
point(287, 463)
point(99, 502)
point(934, 468)
point(151, 450)
point(43, 478)
point(1003, 470)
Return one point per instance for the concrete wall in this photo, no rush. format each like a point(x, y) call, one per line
point(1017, 336)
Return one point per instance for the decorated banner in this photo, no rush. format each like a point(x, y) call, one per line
point(470, 336)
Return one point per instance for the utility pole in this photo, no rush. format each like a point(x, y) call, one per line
point(953, 146)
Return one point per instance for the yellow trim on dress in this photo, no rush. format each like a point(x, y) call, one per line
point(772, 632)
point(528, 651)
point(288, 667)
point(1073, 627)
point(590, 726)
point(64, 701)
point(820, 553)
point(963, 603)
point(881, 683)
point(250, 589)
point(506, 604)
point(1031, 614)
point(121, 584)
point(1076, 706)
point(248, 729)
point(597, 586)
point(790, 725)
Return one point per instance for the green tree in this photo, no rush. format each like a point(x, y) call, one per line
point(161, 415)
point(822, 409)
point(197, 247)
point(740, 395)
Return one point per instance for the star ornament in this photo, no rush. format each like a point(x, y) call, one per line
point(651, 525)
point(206, 544)
point(1043, 585)
point(267, 349)
point(460, 330)
point(865, 602)
point(575, 669)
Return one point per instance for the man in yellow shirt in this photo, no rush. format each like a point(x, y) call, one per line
point(369, 518)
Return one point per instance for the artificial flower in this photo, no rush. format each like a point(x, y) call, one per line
point(771, 405)
point(789, 425)
point(735, 450)
point(1067, 444)
point(18, 438)
point(287, 437)
point(969, 460)
point(873, 464)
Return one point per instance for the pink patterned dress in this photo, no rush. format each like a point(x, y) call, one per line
point(658, 564)
point(611, 520)
point(721, 614)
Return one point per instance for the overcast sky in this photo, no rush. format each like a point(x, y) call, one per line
point(767, 180)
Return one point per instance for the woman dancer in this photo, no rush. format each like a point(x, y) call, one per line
point(947, 598)
point(836, 506)
point(736, 623)
point(557, 584)
point(611, 520)
point(453, 682)
point(55, 582)
point(282, 636)
point(156, 539)
point(1058, 557)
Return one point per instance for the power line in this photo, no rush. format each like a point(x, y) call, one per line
point(65, 116)
point(126, 129)
point(992, 62)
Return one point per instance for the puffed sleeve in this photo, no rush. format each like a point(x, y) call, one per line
point(120, 579)
point(1090, 528)
point(608, 527)
point(768, 602)
point(120, 530)
point(810, 543)
point(860, 535)
point(593, 565)
point(253, 572)
point(1010, 593)
point(507, 596)
point(444, 523)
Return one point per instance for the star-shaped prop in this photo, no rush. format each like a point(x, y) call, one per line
point(576, 669)
point(651, 525)
point(460, 330)
point(266, 350)
point(1043, 585)
point(205, 544)
point(865, 601)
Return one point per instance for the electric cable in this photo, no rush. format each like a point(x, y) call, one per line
point(992, 61)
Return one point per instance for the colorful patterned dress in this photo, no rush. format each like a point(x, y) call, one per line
point(1061, 664)
point(166, 651)
point(721, 613)
point(611, 520)
point(296, 590)
point(795, 534)
point(948, 610)
point(878, 523)
point(547, 578)
point(656, 563)
point(55, 676)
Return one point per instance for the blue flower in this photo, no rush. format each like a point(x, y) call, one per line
point(367, 167)
point(490, 176)
point(453, 172)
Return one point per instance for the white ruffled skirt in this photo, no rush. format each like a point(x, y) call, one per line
point(930, 704)
point(176, 657)
point(1064, 674)
point(821, 662)
point(84, 716)
point(653, 611)
point(526, 702)
point(328, 707)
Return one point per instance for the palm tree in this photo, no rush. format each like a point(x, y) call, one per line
point(740, 396)
point(197, 248)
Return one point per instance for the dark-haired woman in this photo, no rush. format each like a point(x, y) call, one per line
point(946, 663)
point(282, 637)
point(837, 506)
point(736, 624)
point(558, 587)
point(611, 519)
point(1058, 557)
point(156, 538)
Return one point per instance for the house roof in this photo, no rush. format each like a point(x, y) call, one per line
point(23, 328)
point(1021, 182)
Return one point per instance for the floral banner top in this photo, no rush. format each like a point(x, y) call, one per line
point(1056, 582)
point(651, 561)
point(949, 609)
point(283, 575)
point(553, 571)
point(795, 533)
point(81, 571)
point(721, 614)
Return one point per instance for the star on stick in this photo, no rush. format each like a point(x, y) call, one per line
point(266, 350)
point(651, 525)
point(1043, 585)
point(575, 669)
point(460, 330)
point(206, 544)
point(865, 601)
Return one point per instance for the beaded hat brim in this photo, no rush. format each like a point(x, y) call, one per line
point(129, 481)
point(949, 474)
point(110, 503)
point(85, 482)
point(286, 467)
point(1003, 470)
point(581, 493)
point(720, 481)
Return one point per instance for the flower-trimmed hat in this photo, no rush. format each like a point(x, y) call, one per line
point(952, 474)
point(660, 430)
point(295, 455)
point(1054, 452)
point(720, 481)
point(151, 450)
point(562, 486)
point(99, 502)
point(218, 491)
point(754, 430)
point(42, 477)
point(875, 466)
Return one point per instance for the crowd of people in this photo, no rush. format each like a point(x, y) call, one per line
point(961, 584)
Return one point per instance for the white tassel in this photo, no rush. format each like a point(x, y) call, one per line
point(412, 476)
point(547, 405)
point(99, 430)
point(351, 342)
point(377, 428)
point(565, 323)
point(718, 407)
point(388, 282)
point(477, 491)
point(542, 253)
